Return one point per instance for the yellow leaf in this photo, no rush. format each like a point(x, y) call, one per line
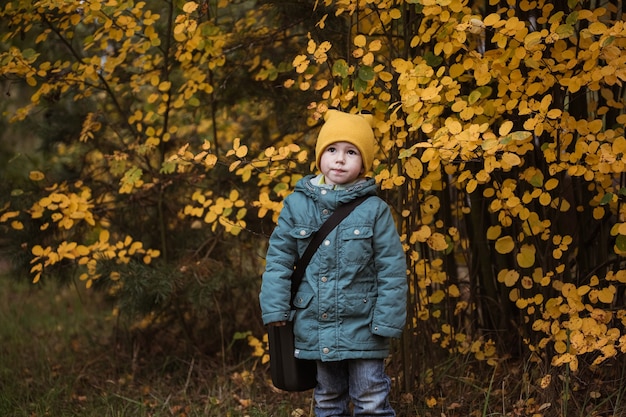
point(458, 106)
point(430, 94)
point(10, 214)
point(526, 256)
point(560, 346)
point(454, 291)
point(508, 277)
point(414, 168)
point(190, 7)
point(504, 245)
point(545, 199)
point(420, 235)
point(545, 381)
point(398, 180)
point(551, 184)
point(595, 126)
point(573, 84)
point(437, 296)
point(165, 86)
point(36, 176)
point(395, 14)
point(37, 250)
point(454, 126)
point(532, 39)
point(135, 247)
point(510, 159)
point(375, 45)
point(104, 237)
point(597, 28)
point(311, 46)
point(82, 250)
point(606, 295)
point(492, 19)
point(234, 195)
point(360, 41)
point(554, 114)
point(505, 128)
point(471, 186)
point(494, 232)
point(385, 76)
point(431, 402)
point(437, 241)
point(241, 151)
point(521, 303)
point(619, 145)
point(300, 63)
point(598, 213)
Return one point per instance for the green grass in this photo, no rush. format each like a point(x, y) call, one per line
point(62, 354)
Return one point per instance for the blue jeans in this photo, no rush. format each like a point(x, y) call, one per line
point(363, 381)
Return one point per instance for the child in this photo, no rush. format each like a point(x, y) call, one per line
point(353, 295)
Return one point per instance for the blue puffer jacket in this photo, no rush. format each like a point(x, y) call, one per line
point(353, 296)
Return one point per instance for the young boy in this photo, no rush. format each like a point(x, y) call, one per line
point(353, 295)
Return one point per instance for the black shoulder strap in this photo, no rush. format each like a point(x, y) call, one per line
point(340, 213)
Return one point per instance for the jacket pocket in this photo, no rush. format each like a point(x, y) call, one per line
point(302, 235)
point(357, 317)
point(356, 244)
point(305, 324)
point(302, 299)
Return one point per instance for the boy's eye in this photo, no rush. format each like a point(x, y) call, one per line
point(330, 149)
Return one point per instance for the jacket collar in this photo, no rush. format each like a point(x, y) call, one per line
point(320, 181)
point(310, 186)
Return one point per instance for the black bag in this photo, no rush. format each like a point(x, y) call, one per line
point(288, 372)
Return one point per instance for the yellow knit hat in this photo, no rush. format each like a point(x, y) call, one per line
point(345, 127)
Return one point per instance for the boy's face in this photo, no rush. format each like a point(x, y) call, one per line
point(341, 163)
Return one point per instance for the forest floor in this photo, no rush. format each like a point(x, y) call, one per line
point(63, 353)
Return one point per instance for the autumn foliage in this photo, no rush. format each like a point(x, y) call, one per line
point(501, 151)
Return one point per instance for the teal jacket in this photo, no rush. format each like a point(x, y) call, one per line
point(353, 295)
